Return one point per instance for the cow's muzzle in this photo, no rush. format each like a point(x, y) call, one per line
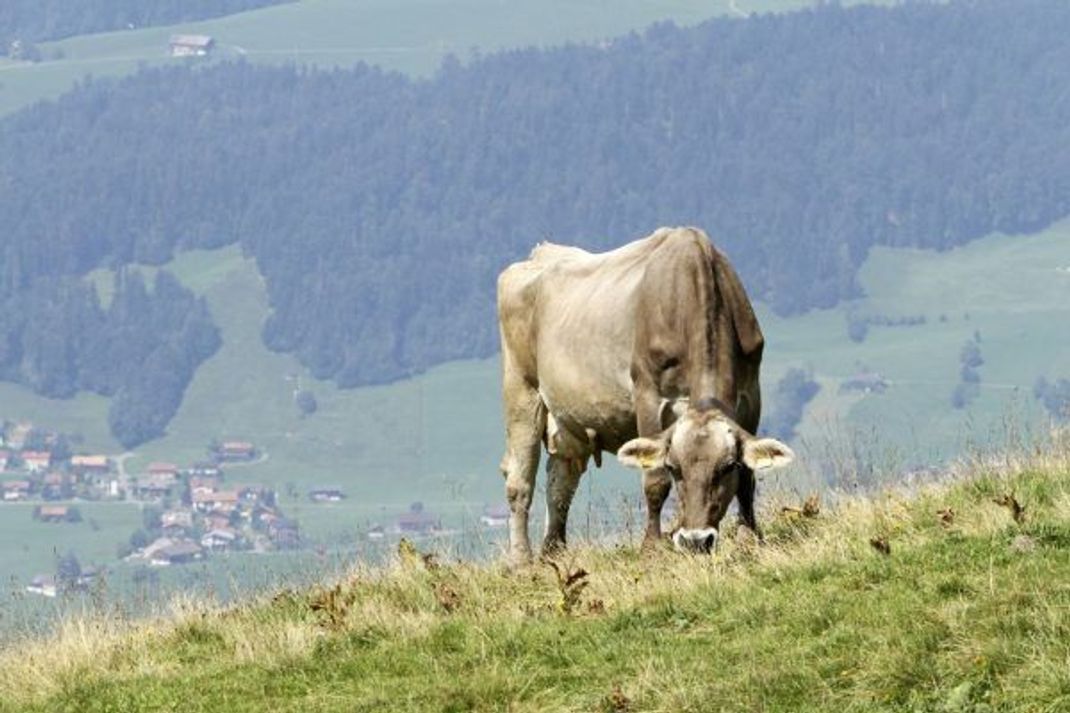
point(695, 541)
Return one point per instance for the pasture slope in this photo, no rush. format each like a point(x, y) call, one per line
point(960, 606)
point(411, 36)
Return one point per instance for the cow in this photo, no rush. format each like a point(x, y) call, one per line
point(652, 351)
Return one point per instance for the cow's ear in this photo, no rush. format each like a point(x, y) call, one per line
point(643, 453)
point(766, 453)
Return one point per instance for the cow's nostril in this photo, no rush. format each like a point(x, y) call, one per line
point(707, 543)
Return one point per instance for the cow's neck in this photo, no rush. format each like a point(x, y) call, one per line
point(714, 388)
point(712, 348)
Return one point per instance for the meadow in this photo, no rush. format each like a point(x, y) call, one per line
point(411, 36)
point(1012, 291)
point(937, 598)
point(31, 547)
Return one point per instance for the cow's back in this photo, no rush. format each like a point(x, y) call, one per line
point(581, 325)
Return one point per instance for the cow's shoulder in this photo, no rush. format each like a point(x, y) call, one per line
point(546, 252)
point(518, 279)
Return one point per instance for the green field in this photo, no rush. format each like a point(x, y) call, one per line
point(31, 547)
point(406, 35)
point(963, 613)
point(1012, 290)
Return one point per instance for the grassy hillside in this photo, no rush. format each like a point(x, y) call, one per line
point(406, 35)
point(32, 547)
point(438, 437)
point(1011, 290)
point(965, 611)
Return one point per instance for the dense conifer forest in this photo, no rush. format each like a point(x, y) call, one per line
point(380, 209)
point(38, 20)
point(142, 349)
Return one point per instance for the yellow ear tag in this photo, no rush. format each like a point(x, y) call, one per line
point(647, 462)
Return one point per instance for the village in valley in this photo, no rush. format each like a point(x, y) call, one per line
point(189, 513)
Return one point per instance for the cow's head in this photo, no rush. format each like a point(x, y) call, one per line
point(706, 452)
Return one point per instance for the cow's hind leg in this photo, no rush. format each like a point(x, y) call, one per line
point(562, 478)
point(525, 420)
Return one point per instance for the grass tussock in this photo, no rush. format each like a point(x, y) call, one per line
point(965, 606)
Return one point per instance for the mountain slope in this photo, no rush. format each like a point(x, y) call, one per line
point(28, 21)
point(380, 209)
point(410, 36)
point(963, 610)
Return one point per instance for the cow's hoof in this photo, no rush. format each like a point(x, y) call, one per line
point(653, 543)
point(519, 559)
point(552, 547)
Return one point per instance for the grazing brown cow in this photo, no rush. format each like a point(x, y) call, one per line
point(651, 349)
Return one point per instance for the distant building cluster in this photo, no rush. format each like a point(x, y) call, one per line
point(199, 511)
point(418, 521)
point(35, 465)
point(191, 45)
point(868, 382)
point(192, 512)
point(234, 452)
point(204, 514)
point(49, 585)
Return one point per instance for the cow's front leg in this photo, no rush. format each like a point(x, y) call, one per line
point(750, 412)
point(745, 496)
point(562, 478)
point(657, 482)
point(656, 486)
point(519, 486)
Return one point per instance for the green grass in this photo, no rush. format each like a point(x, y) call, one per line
point(85, 416)
point(966, 616)
point(406, 35)
point(1007, 288)
point(31, 547)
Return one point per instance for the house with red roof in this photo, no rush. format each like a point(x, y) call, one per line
point(36, 461)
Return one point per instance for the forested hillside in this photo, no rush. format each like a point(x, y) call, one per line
point(380, 209)
point(142, 349)
point(38, 20)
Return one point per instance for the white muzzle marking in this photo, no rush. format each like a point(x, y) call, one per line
point(703, 540)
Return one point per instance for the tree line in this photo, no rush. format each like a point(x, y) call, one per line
point(380, 209)
point(1054, 396)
